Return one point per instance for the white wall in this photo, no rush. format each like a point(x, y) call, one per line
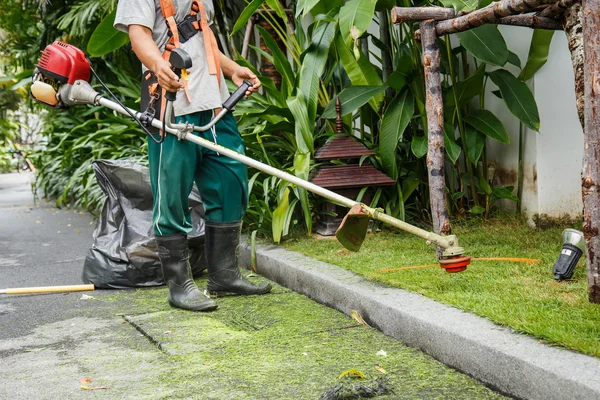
point(552, 179)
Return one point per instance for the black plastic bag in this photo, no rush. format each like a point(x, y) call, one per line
point(123, 253)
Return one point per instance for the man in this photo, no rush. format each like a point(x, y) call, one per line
point(175, 165)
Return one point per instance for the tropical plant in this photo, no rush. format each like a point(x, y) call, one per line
point(330, 50)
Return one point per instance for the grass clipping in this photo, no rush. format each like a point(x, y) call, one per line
point(349, 388)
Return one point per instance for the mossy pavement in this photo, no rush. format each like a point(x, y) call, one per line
point(281, 346)
point(130, 344)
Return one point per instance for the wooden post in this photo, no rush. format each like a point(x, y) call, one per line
point(435, 125)
point(489, 14)
point(572, 26)
point(591, 156)
point(554, 9)
point(531, 21)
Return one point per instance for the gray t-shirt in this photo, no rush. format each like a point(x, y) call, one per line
point(205, 93)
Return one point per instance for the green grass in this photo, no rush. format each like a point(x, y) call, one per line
point(522, 296)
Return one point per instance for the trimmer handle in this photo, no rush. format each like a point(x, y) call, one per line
point(179, 60)
point(239, 94)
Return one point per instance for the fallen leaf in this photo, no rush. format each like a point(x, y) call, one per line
point(85, 381)
point(168, 332)
point(357, 317)
point(378, 368)
point(352, 373)
point(94, 387)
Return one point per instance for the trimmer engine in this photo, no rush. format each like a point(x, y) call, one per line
point(59, 67)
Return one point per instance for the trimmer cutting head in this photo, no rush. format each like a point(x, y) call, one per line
point(455, 263)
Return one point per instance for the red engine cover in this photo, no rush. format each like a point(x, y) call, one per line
point(64, 62)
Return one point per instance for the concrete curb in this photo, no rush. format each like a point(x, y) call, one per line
point(514, 364)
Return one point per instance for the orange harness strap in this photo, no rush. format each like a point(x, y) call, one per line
point(210, 42)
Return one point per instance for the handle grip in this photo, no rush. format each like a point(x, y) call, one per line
point(237, 95)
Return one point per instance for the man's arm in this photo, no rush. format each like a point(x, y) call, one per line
point(147, 51)
point(239, 74)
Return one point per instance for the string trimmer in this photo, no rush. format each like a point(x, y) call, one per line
point(62, 77)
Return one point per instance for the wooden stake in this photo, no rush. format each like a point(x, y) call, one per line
point(435, 133)
point(405, 14)
point(591, 156)
point(490, 14)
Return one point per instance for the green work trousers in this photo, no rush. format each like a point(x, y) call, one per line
point(175, 165)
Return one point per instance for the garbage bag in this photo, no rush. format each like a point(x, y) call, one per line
point(123, 252)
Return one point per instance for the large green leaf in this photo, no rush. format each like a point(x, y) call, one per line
point(514, 59)
point(467, 89)
point(301, 169)
point(278, 222)
point(280, 61)
point(351, 99)
point(488, 124)
point(452, 149)
point(303, 7)
point(361, 72)
point(538, 53)
point(395, 120)
point(246, 15)
point(409, 185)
point(461, 5)
point(278, 8)
point(105, 38)
point(355, 18)
point(419, 146)
point(384, 5)
point(499, 192)
point(304, 127)
point(314, 63)
point(485, 43)
point(475, 143)
point(518, 98)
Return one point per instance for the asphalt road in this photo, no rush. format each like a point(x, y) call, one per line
point(40, 245)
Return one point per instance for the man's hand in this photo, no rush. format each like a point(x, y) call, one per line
point(145, 49)
point(241, 74)
point(167, 79)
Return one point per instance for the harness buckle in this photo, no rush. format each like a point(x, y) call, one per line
point(186, 28)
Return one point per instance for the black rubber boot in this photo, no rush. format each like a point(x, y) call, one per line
point(183, 292)
point(222, 243)
point(197, 255)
